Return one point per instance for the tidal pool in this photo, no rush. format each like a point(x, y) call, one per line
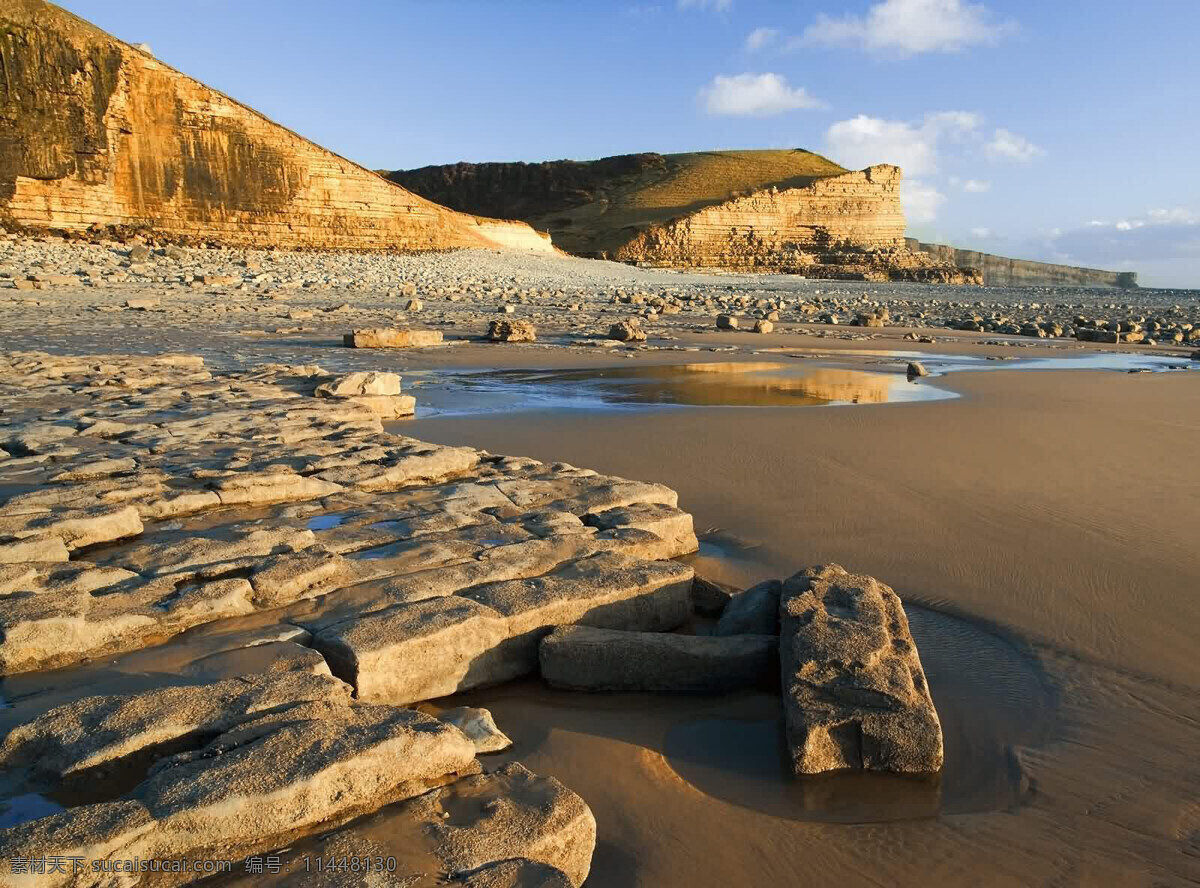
point(729, 384)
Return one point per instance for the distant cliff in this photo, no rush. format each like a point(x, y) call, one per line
point(95, 133)
point(1001, 272)
point(753, 211)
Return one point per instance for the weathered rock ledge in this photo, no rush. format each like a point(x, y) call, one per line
point(148, 496)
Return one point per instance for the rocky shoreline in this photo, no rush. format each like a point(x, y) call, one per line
point(461, 292)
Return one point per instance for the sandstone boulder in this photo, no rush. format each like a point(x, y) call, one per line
point(383, 337)
point(588, 659)
point(916, 370)
point(627, 331)
point(505, 330)
point(727, 322)
point(854, 693)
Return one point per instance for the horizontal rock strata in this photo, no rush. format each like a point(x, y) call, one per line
point(854, 692)
point(584, 658)
point(157, 460)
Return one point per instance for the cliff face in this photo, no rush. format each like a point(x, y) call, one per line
point(764, 211)
point(95, 133)
point(999, 271)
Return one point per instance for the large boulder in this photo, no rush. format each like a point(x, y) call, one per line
point(588, 659)
point(854, 692)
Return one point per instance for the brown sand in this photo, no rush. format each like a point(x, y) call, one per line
point(1055, 512)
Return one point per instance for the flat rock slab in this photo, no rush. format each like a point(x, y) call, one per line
point(583, 658)
point(200, 487)
point(489, 633)
point(509, 828)
point(854, 693)
point(98, 732)
point(383, 337)
point(254, 787)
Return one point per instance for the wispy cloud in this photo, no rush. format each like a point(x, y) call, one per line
point(1006, 145)
point(761, 38)
point(971, 186)
point(909, 27)
point(711, 5)
point(754, 95)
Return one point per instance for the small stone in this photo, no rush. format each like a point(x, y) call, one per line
point(727, 322)
point(479, 727)
point(763, 326)
point(916, 369)
point(414, 305)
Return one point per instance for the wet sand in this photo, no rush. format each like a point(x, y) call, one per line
point(1045, 522)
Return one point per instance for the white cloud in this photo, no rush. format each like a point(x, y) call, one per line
point(909, 27)
point(757, 95)
point(975, 186)
point(981, 232)
point(1006, 145)
point(862, 141)
point(760, 38)
point(920, 200)
point(714, 5)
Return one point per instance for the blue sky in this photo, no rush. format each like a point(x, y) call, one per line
point(1057, 129)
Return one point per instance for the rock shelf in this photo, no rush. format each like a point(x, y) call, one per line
point(148, 496)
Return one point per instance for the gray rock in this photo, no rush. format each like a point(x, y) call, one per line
point(584, 658)
point(709, 598)
point(753, 612)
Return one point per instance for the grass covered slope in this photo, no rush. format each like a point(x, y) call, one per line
point(596, 206)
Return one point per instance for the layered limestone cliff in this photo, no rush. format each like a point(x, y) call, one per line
point(750, 211)
point(95, 133)
point(999, 271)
point(845, 226)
